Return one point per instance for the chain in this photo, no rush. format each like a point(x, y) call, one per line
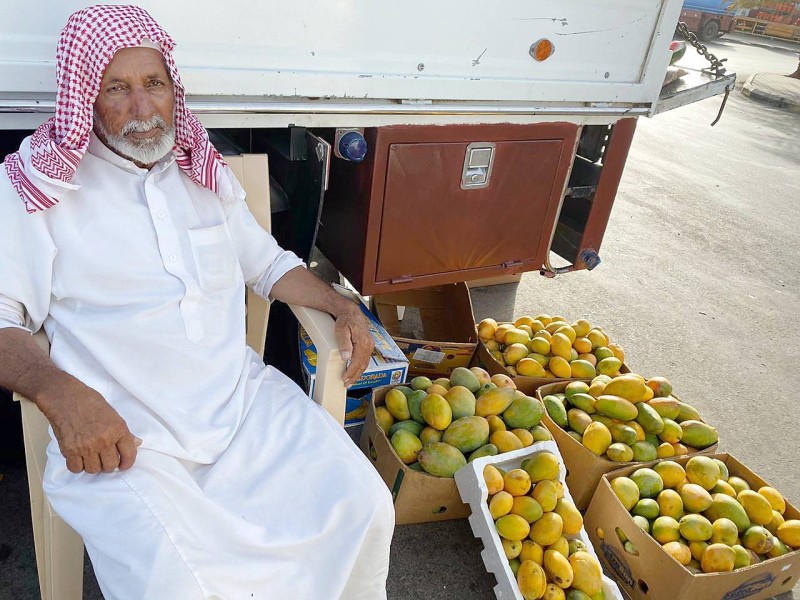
point(717, 67)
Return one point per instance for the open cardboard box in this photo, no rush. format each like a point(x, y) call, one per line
point(584, 468)
point(654, 575)
point(448, 337)
point(529, 385)
point(418, 497)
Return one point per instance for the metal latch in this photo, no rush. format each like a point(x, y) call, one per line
point(478, 163)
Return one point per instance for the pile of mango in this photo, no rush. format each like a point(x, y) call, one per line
point(545, 346)
point(705, 518)
point(535, 521)
point(627, 418)
point(438, 426)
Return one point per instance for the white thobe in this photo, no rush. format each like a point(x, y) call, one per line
point(243, 487)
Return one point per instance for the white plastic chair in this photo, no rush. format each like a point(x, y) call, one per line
point(59, 549)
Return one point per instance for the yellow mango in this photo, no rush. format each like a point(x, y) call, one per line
point(541, 466)
point(546, 494)
point(495, 424)
point(561, 346)
point(515, 353)
point(501, 504)
point(384, 418)
point(582, 369)
point(570, 515)
point(547, 530)
point(789, 533)
point(724, 531)
point(757, 507)
point(525, 436)
point(397, 404)
point(531, 580)
point(503, 381)
point(598, 338)
point(581, 327)
point(493, 479)
point(494, 401)
point(629, 387)
point(587, 574)
point(532, 551)
point(618, 351)
point(582, 345)
point(517, 482)
point(679, 552)
point(665, 450)
point(557, 567)
point(777, 521)
point(528, 367)
point(553, 592)
point(505, 441)
point(436, 411)
point(718, 558)
point(670, 504)
point(487, 329)
point(511, 548)
point(597, 438)
point(671, 473)
point(527, 508)
point(561, 546)
point(774, 497)
point(512, 527)
point(502, 329)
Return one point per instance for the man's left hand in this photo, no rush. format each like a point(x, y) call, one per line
point(355, 342)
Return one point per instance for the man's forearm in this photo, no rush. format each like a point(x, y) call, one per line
point(25, 368)
point(299, 286)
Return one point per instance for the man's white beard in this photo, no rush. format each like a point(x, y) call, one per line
point(146, 151)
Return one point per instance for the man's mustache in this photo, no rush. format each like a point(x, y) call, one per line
point(137, 126)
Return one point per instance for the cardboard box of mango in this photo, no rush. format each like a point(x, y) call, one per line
point(605, 421)
point(542, 349)
point(695, 527)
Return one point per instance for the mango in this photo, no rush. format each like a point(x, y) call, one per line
point(546, 494)
point(648, 481)
point(665, 530)
point(647, 508)
point(525, 436)
point(649, 419)
point(493, 479)
point(667, 408)
point(421, 383)
point(482, 375)
point(486, 329)
point(494, 402)
point(579, 420)
point(686, 412)
point(407, 446)
point(661, 386)
point(671, 433)
point(531, 580)
point(723, 469)
point(789, 533)
point(583, 401)
point(539, 345)
point(575, 436)
point(616, 408)
point(513, 527)
point(558, 569)
point(758, 539)
point(515, 353)
point(541, 466)
point(626, 490)
point(695, 528)
point(574, 594)
point(695, 498)
point(529, 367)
point(523, 413)
point(501, 504)
point(597, 438)
point(777, 521)
point(665, 450)
point(587, 574)
point(596, 389)
point(698, 434)
point(774, 498)
point(640, 434)
point(603, 352)
point(505, 441)
point(697, 549)
point(555, 410)
point(553, 592)
point(642, 523)
point(619, 452)
point(405, 389)
point(757, 507)
point(436, 411)
point(724, 531)
point(515, 336)
point(467, 433)
point(738, 484)
point(742, 557)
point(511, 548)
point(412, 426)
point(532, 551)
point(607, 421)
point(486, 450)
point(576, 545)
point(778, 548)
point(581, 327)
point(582, 369)
point(679, 552)
point(727, 507)
point(644, 452)
point(626, 386)
point(437, 389)
point(670, 504)
point(609, 366)
point(414, 401)
point(671, 473)
point(384, 418)
point(570, 515)
point(464, 377)
point(415, 466)
point(598, 339)
point(429, 435)
point(495, 424)
point(703, 471)
point(540, 433)
point(547, 530)
point(718, 558)
point(527, 508)
point(441, 459)
point(397, 404)
point(561, 346)
point(462, 401)
point(559, 366)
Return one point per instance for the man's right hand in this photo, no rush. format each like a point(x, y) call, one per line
point(90, 433)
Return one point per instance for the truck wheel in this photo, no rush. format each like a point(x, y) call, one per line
point(710, 31)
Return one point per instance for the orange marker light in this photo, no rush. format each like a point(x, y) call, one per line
point(542, 50)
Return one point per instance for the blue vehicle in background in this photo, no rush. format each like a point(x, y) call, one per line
point(708, 19)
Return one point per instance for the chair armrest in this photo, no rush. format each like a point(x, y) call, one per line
point(329, 391)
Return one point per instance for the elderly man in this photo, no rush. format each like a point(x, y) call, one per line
point(190, 469)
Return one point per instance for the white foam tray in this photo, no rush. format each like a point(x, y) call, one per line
point(474, 492)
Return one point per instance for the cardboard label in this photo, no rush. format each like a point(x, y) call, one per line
point(750, 588)
point(617, 563)
point(428, 356)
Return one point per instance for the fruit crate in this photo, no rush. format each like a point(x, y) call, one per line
point(585, 469)
point(474, 492)
point(646, 572)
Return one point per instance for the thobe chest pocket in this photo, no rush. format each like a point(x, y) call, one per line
point(215, 257)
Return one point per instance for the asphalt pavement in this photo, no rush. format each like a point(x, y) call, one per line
point(699, 283)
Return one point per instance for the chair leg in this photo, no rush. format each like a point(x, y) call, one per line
point(64, 560)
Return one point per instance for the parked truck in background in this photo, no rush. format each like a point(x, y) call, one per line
point(708, 18)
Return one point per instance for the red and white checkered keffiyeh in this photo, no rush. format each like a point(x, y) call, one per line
point(86, 46)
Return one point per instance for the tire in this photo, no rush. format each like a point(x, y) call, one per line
point(709, 31)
